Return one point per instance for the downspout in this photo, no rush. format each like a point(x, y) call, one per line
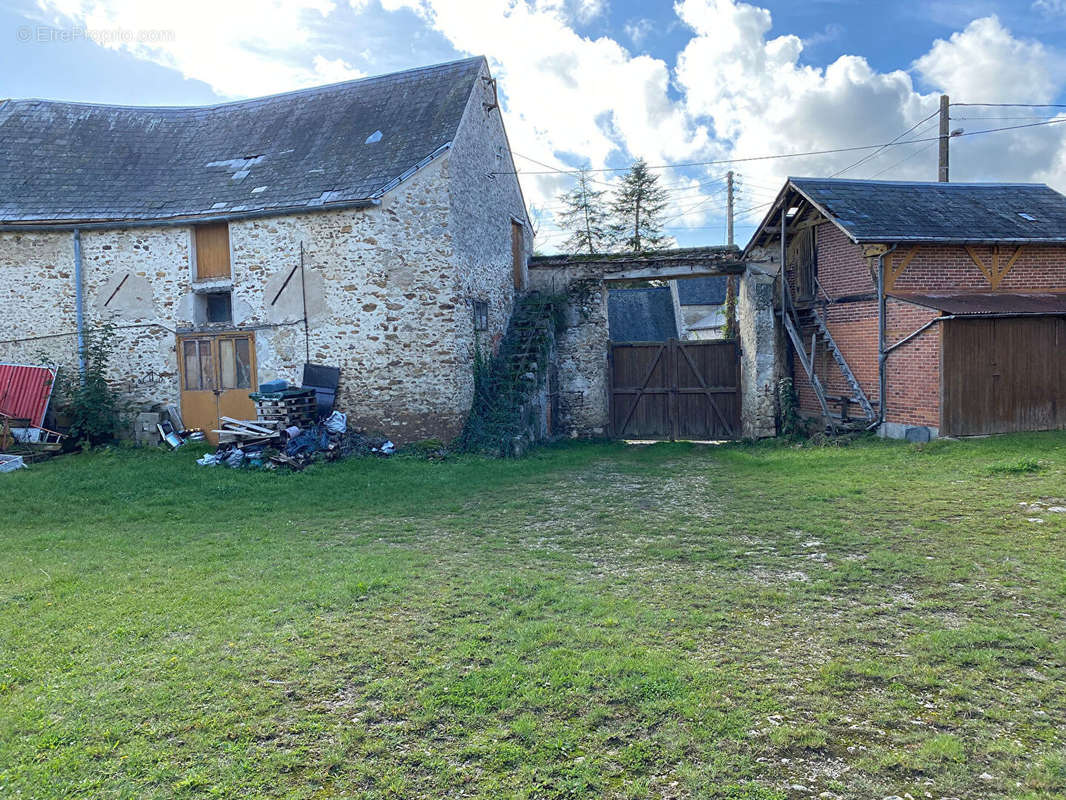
point(882, 353)
point(79, 303)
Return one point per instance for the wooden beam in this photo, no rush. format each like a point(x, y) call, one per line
point(976, 259)
point(874, 250)
point(895, 272)
point(666, 273)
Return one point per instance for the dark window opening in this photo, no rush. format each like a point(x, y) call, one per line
point(218, 307)
point(481, 315)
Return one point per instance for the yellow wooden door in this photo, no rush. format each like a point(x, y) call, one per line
point(217, 373)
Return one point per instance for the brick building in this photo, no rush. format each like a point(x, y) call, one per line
point(375, 225)
point(947, 300)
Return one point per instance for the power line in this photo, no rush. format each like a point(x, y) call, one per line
point(874, 154)
point(1013, 105)
point(827, 151)
point(917, 152)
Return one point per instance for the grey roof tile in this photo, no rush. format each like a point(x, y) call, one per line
point(708, 291)
point(641, 315)
point(892, 211)
point(75, 161)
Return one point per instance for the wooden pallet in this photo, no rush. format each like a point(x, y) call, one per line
point(299, 410)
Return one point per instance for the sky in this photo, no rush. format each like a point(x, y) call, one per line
point(597, 84)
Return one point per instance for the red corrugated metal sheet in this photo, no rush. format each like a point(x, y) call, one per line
point(991, 303)
point(25, 391)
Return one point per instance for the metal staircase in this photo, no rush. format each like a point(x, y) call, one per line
point(809, 318)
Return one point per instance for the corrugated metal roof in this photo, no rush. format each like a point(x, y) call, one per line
point(895, 211)
point(977, 304)
point(25, 391)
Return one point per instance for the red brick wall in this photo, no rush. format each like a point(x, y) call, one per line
point(912, 371)
point(937, 268)
point(842, 269)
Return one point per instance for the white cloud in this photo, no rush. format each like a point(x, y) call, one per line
point(240, 48)
point(637, 30)
point(567, 95)
point(763, 99)
point(985, 63)
point(334, 70)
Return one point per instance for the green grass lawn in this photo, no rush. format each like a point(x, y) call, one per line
point(677, 621)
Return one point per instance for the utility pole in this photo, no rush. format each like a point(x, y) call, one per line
point(945, 135)
point(729, 207)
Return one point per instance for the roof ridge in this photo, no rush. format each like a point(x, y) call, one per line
point(247, 101)
point(955, 184)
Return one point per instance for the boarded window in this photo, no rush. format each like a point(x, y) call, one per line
point(212, 251)
point(518, 255)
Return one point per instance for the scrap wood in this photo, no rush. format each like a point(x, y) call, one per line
point(266, 426)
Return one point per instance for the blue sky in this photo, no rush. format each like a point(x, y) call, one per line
point(597, 83)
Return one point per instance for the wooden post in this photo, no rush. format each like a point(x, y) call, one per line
point(729, 207)
point(945, 136)
point(784, 277)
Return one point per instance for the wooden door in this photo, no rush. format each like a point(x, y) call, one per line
point(1002, 375)
point(217, 373)
point(675, 390)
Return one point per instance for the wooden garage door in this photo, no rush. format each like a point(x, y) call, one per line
point(1003, 375)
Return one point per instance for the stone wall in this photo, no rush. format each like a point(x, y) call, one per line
point(581, 350)
point(484, 201)
point(582, 347)
point(389, 290)
point(760, 362)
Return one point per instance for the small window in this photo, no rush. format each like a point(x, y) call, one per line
point(218, 307)
point(212, 251)
point(518, 254)
point(481, 315)
point(1025, 216)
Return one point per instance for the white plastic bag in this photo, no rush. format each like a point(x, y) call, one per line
point(337, 422)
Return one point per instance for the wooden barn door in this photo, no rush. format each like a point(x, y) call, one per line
point(675, 390)
point(1003, 375)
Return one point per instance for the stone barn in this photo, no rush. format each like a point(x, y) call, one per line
point(375, 225)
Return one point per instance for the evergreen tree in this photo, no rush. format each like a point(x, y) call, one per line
point(636, 210)
point(584, 217)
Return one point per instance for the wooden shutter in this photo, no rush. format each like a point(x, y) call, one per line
point(212, 251)
point(518, 255)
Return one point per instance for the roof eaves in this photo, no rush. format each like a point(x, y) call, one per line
point(825, 212)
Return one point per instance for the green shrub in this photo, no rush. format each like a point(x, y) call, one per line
point(95, 408)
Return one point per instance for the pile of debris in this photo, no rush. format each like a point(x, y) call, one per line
point(294, 427)
point(270, 443)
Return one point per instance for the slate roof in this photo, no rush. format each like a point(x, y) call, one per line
point(74, 161)
point(702, 291)
point(892, 211)
point(641, 315)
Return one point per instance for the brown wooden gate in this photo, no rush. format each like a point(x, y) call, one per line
point(675, 390)
point(1002, 375)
